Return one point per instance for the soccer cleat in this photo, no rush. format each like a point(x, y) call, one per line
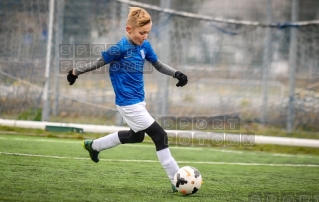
point(174, 188)
point(87, 144)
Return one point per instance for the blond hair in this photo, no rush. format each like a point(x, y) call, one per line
point(138, 17)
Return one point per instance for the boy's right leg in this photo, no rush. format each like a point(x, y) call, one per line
point(87, 144)
point(122, 137)
point(129, 136)
point(95, 146)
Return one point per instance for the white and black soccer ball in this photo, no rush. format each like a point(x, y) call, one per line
point(188, 180)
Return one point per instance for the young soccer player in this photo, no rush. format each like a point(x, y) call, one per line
point(126, 60)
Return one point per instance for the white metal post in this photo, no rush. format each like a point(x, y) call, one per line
point(45, 97)
point(266, 64)
point(58, 41)
point(292, 66)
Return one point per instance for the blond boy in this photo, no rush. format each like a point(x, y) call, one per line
point(126, 60)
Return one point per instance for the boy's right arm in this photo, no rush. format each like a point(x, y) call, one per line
point(80, 69)
point(112, 54)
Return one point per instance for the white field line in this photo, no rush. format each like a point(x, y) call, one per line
point(172, 147)
point(153, 161)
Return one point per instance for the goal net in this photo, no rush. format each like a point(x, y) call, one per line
point(234, 66)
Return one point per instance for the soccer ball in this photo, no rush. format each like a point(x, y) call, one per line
point(188, 180)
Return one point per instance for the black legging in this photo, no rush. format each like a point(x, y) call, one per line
point(155, 131)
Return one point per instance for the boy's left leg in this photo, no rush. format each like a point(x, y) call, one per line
point(159, 137)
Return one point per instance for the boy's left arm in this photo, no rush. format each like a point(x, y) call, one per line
point(163, 68)
point(168, 70)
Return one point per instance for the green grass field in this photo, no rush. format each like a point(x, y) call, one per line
point(52, 169)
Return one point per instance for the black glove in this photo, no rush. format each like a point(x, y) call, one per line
point(71, 78)
point(182, 79)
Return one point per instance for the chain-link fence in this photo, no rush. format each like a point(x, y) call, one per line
point(233, 68)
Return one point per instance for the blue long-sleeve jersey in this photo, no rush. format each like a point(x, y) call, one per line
point(126, 70)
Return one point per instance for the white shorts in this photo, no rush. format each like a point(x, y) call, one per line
point(136, 116)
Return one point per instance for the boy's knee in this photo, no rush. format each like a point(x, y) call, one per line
point(158, 135)
point(160, 141)
point(131, 137)
point(139, 137)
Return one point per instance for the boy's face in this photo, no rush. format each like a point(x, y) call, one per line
point(138, 34)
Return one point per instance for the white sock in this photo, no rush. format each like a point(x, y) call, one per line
point(106, 142)
point(168, 163)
